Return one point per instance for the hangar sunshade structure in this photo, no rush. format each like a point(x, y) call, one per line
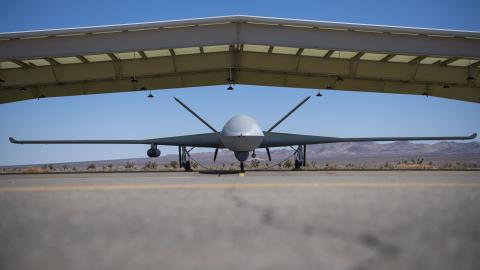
point(240, 50)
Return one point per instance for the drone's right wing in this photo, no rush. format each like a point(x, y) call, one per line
point(197, 140)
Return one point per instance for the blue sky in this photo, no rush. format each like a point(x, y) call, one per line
point(132, 115)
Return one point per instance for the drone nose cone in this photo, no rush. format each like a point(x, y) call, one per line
point(241, 133)
point(242, 125)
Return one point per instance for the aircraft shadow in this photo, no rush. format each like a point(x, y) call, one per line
point(219, 172)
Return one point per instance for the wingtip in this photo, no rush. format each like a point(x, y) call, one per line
point(12, 140)
point(473, 136)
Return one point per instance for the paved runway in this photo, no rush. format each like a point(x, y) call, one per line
point(265, 220)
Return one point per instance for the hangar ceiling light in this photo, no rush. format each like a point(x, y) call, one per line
point(98, 57)
point(189, 50)
point(67, 60)
point(157, 53)
point(314, 52)
point(432, 60)
point(127, 55)
point(8, 65)
point(463, 62)
point(402, 58)
point(373, 56)
point(284, 50)
point(37, 62)
point(343, 54)
point(216, 48)
point(256, 48)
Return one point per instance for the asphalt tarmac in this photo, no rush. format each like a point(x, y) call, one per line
point(264, 220)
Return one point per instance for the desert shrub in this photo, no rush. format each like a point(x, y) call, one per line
point(150, 165)
point(33, 170)
point(91, 167)
point(287, 164)
point(173, 164)
point(130, 165)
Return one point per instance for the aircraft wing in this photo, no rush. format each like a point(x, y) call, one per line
point(197, 140)
point(274, 139)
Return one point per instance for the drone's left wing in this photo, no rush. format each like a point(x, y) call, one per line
point(197, 140)
point(274, 139)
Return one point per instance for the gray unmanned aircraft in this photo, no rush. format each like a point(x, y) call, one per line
point(242, 135)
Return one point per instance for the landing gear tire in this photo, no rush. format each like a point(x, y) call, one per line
point(187, 166)
point(298, 164)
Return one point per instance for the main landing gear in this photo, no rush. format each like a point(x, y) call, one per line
point(242, 167)
point(184, 158)
point(300, 156)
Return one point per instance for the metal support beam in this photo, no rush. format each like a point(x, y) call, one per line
point(83, 59)
point(387, 58)
point(448, 61)
point(328, 54)
point(20, 63)
point(237, 33)
point(417, 59)
point(117, 67)
point(142, 54)
point(354, 64)
point(52, 61)
point(249, 68)
point(357, 56)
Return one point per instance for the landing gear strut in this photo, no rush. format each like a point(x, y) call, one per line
point(242, 167)
point(300, 156)
point(184, 158)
